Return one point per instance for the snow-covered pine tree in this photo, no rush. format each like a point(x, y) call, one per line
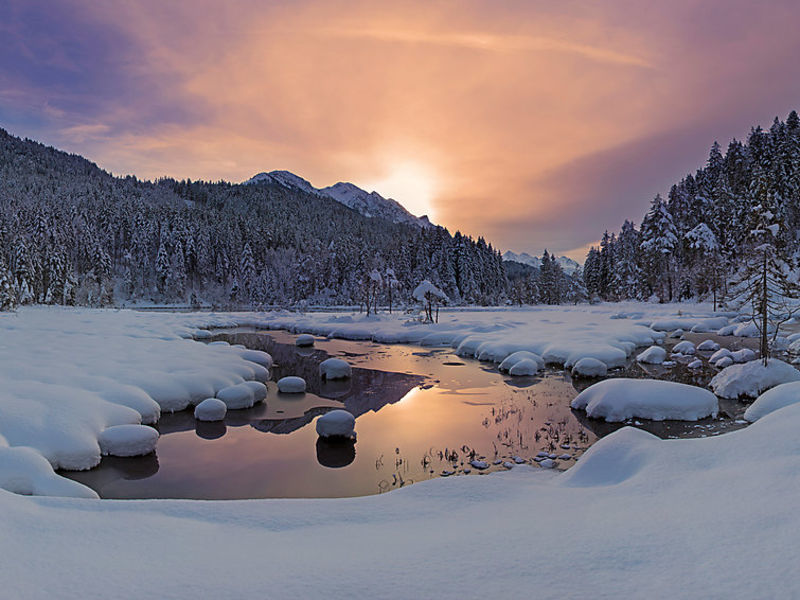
point(659, 241)
point(767, 280)
point(8, 299)
point(707, 264)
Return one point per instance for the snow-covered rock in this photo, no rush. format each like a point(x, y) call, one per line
point(743, 355)
point(747, 329)
point(292, 385)
point(517, 357)
point(654, 355)
point(708, 346)
point(621, 399)
point(237, 397)
point(774, 399)
point(128, 440)
point(748, 380)
point(677, 333)
point(727, 330)
point(210, 409)
point(695, 364)
point(721, 353)
point(589, 367)
point(524, 367)
point(336, 423)
point(479, 464)
point(685, 347)
point(304, 340)
point(724, 362)
point(334, 368)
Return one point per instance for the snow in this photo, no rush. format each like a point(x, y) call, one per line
point(686, 347)
point(128, 440)
point(210, 409)
point(242, 395)
point(748, 380)
point(589, 367)
point(620, 399)
point(708, 346)
point(743, 355)
point(725, 361)
point(427, 288)
point(336, 423)
point(516, 357)
point(334, 368)
point(526, 366)
point(409, 542)
point(292, 385)
point(568, 265)
point(719, 354)
point(695, 364)
point(304, 340)
point(774, 399)
point(654, 355)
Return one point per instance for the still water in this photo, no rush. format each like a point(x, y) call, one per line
point(420, 413)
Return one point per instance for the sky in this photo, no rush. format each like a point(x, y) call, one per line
point(536, 124)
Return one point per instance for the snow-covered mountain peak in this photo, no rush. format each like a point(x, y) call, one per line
point(369, 204)
point(568, 265)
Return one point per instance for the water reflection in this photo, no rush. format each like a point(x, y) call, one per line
point(335, 453)
point(419, 415)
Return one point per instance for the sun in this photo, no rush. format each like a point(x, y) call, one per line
point(411, 185)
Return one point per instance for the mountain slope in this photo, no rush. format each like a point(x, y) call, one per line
point(368, 204)
point(568, 265)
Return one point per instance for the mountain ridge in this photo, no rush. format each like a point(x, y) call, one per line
point(368, 204)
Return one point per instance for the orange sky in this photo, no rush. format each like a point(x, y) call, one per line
point(535, 124)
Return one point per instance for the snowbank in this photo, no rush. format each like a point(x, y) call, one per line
point(621, 399)
point(778, 397)
point(748, 380)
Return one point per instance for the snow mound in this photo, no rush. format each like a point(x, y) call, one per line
point(257, 356)
point(25, 471)
point(708, 346)
point(686, 347)
point(748, 380)
point(210, 409)
point(613, 459)
point(727, 330)
point(620, 399)
point(719, 354)
point(336, 423)
point(742, 356)
point(724, 362)
point(524, 367)
point(305, 340)
point(677, 333)
point(778, 397)
point(237, 397)
point(654, 355)
point(292, 385)
point(522, 355)
point(589, 367)
point(695, 364)
point(128, 440)
point(334, 368)
point(749, 329)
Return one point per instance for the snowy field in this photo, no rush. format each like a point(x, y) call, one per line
point(636, 517)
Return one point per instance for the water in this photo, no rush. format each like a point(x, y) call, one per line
point(420, 413)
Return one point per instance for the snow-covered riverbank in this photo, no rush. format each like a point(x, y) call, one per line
point(637, 517)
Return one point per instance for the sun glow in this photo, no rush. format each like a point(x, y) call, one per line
point(411, 185)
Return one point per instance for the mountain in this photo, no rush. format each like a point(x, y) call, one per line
point(369, 204)
point(568, 265)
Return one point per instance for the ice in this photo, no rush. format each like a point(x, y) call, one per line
point(210, 409)
point(748, 380)
point(620, 399)
point(336, 423)
point(334, 368)
point(686, 347)
point(128, 440)
point(708, 346)
point(589, 367)
point(304, 340)
point(654, 355)
point(777, 398)
point(292, 385)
